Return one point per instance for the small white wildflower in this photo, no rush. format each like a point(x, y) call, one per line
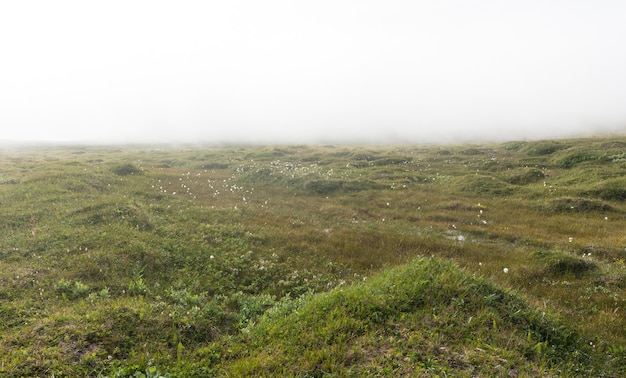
point(571, 239)
point(505, 270)
point(211, 257)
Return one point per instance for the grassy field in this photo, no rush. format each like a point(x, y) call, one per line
point(455, 260)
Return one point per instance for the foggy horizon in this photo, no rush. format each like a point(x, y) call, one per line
point(281, 72)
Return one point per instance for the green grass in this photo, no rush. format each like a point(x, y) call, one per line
point(425, 317)
point(469, 260)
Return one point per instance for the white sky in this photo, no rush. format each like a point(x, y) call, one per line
point(311, 71)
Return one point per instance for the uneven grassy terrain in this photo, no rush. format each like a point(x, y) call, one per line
point(471, 260)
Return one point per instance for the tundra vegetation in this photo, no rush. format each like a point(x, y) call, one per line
point(471, 260)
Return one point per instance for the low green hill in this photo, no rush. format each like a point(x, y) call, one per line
point(425, 318)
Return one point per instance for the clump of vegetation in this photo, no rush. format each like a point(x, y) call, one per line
point(483, 185)
point(525, 176)
point(8, 181)
point(570, 159)
point(580, 205)
point(372, 329)
point(394, 160)
point(328, 187)
point(126, 170)
point(561, 264)
point(70, 290)
point(541, 148)
point(214, 165)
point(472, 151)
point(611, 190)
point(613, 144)
point(137, 287)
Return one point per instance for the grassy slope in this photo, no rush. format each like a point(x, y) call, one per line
point(425, 317)
point(121, 260)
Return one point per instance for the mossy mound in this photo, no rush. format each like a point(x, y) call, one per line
point(611, 190)
point(577, 205)
point(481, 185)
point(328, 187)
point(126, 169)
point(427, 317)
point(541, 148)
point(523, 176)
point(570, 158)
point(559, 264)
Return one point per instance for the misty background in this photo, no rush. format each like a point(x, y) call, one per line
point(271, 71)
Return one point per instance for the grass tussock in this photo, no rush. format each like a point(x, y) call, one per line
point(580, 205)
point(426, 317)
point(126, 169)
point(525, 176)
point(560, 264)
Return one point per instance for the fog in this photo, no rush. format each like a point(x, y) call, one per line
point(311, 72)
